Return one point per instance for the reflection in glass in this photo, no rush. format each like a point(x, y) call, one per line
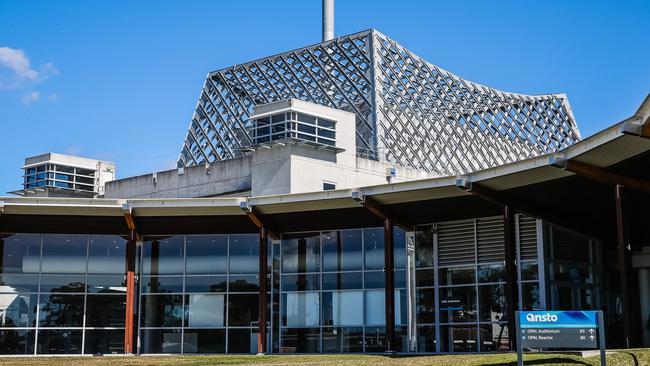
point(18, 283)
point(244, 253)
point(425, 300)
point(241, 341)
point(375, 311)
point(494, 337)
point(344, 340)
point(375, 339)
point(424, 277)
point(18, 310)
point(60, 310)
point(300, 340)
point(161, 341)
point(244, 283)
point(399, 247)
point(426, 339)
point(106, 255)
point(106, 284)
point(529, 271)
point(458, 338)
point(162, 310)
point(342, 250)
point(162, 284)
point(457, 275)
point(63, 283)
point(205, 283)
point(206, 310)
point(301, 282)
point(492, 302)
point(301, 253)
point(52, 341)
point(204, 341)
point(530, 296)
point(374, 279)
point(242, 309)
point(64, 254)
point(104, 341)
point(343, 308)
point(16, 341)
point(342, 281)
point(105, 310)
point(21, 253)
point(423, 246)
point(164, 256)
point(207, 254)
point(458, 304)
point(491, 273)
point(300, 309)
point(374, 248)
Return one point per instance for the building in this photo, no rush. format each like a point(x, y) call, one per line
point(345, 197)
point(59, 175)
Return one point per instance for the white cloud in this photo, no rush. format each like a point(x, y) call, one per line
point(52, 97)
point(18, 62)
point(16, 69)
point(30, 98)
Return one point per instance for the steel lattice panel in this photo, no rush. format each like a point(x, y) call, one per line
point(409, 112)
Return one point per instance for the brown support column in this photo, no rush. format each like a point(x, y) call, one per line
point(623, 266)
point(511, 272)
point(262, 297)
point(389, 276)
point(130, 293)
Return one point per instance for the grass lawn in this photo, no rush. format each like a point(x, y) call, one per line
point(618, 358)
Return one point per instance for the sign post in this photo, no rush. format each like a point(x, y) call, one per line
point(560, 329)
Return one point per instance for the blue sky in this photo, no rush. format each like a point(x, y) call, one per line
point(118, 80)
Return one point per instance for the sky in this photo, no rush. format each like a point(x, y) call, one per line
point(118, 80)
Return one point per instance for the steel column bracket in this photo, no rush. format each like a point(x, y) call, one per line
point(258, 220)
point(127, 210)
point(382, 212)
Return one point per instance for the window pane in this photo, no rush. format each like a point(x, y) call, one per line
point(425, 306)
point(300, 309)
point(162, 284)
point(494, 337)
point(18, 310)
point(374, 279)
point(106, 284)
point(163, 256)
point(530, 296)
point(424, 246)
point(18, 283)
point(458, 304)
point(21, 254)
point(345, 340)
point(16, 341)
point(374, 248)
point(242, 310)
point(491, 273)
point(424, 277)
point(59, 341)
point(399, 248)
point(64, 254)
point(426, 339)
point(457, 276)
point(301, 282)
point(249, 283)
point(458, 338)
point(106, 255)
point(375, 309)
point(206, 310)
point(63, 283)
point(529, 271)
point(60, 310)
point(300, 340)
point(241, 341)
point(343, 308)
point(161, 341)
point(206, 283)
point(492, 302)
point(104, 341)
point(342, 250)
point(204, 341)
point(207, 254)
point(244, 253)
point(375, 339)
point(105, 310)
point(301, 253)
point(342, 281)
point(162, 310)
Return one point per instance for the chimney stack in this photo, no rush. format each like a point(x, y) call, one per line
point(328, 20)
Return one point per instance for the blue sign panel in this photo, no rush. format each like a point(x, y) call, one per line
point(558, 319)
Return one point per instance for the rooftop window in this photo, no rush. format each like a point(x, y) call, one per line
point(294, 126)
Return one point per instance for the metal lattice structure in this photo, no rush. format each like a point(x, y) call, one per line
point(409, 112)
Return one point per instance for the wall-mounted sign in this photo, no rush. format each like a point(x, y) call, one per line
point(560, 329)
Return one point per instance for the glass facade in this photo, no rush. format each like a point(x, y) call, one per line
point(62, 294)
point(59, 176)
point(199, 293)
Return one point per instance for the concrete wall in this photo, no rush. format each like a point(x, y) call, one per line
point(222, 178)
